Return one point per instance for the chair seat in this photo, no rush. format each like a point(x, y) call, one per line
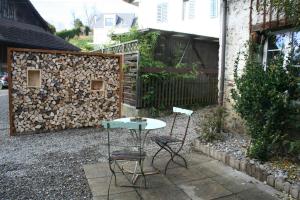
point(128, 155)
point(165, 139)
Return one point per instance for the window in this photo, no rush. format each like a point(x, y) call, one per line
point(33, 78)
point(188, 9)
point(213, 8)
point(192, 9)
point(108, 21)
point(162, 12)
point(286, 43)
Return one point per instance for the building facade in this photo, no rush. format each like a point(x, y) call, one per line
point(200, 17)
point(248, 20)
point(109, 23)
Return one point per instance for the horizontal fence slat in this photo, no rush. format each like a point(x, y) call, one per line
point(177, 92)
point(206, 70)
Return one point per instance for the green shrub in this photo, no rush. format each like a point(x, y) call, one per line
point(83, 42)
point(262, 98)
point(69, 34)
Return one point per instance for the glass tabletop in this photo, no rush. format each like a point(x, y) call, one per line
point(151, 123)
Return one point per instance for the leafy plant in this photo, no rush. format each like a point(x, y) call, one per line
point(289, 8)
point(210, 125)
point(68, 34)
point(262, 98)
point(83, 42)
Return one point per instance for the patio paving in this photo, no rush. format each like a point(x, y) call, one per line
point(204, 179)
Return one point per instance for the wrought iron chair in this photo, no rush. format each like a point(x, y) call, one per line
point(173, 144)
point(125, 153)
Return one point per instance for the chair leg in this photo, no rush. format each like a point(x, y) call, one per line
point(173, 155)
point(166, 167)
point(113, 173)
point(161, 148)
point(184, 160)
point(142, 171)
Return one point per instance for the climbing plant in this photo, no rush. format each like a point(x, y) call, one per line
point(147, 44)
point(288, 8)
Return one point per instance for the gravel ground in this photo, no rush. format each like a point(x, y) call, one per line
point(49, 166)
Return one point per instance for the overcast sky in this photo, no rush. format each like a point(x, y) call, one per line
point(60, 12)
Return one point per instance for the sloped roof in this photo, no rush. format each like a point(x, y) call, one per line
point(37, 14)
point(124, 20)
point(32, 36)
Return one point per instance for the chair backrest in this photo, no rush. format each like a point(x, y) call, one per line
point(136, 127)
point(182, 111)
point(185, 112)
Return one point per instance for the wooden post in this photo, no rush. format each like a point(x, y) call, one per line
point(12, 130)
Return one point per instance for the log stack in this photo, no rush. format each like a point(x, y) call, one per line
point(65, 98)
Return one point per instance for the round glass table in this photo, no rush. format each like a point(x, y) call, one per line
point(152, 124)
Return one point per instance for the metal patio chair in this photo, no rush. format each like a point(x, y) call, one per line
point(173, 144)
point(125, 153)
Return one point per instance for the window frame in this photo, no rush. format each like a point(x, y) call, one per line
point(266, 45)
point(289, 48)
point(108, 18)
point(213, 8)
point(162, 12)
point(29, 70)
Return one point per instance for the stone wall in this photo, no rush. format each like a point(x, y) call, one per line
point(238, 35)
point(75, 90)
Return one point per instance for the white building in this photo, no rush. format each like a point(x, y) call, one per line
point(200, 17)
point(108, 23)
point(113, 17)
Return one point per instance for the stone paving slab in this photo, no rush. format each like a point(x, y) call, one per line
point(205, 179)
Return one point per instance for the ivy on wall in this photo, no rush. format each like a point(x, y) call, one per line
point(147, 44)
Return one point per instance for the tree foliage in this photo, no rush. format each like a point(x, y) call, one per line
point(289, 8)
point(52, 28)
point(68, 34)
point(78, 23)
point(147, 42)
point(79, 29)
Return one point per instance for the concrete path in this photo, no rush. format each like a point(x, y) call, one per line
point(204, 179)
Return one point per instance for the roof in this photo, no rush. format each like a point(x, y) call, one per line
point(133, 2)
point(37, 14)
point(176, 34)
point(31, 36)
point(124, 20)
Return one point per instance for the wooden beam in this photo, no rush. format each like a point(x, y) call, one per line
point(12, 130)
point(272, 25)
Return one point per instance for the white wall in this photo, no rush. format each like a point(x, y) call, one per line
point(202, 24)
point(101, 35)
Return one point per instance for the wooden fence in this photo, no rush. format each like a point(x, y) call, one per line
point(177, 92)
